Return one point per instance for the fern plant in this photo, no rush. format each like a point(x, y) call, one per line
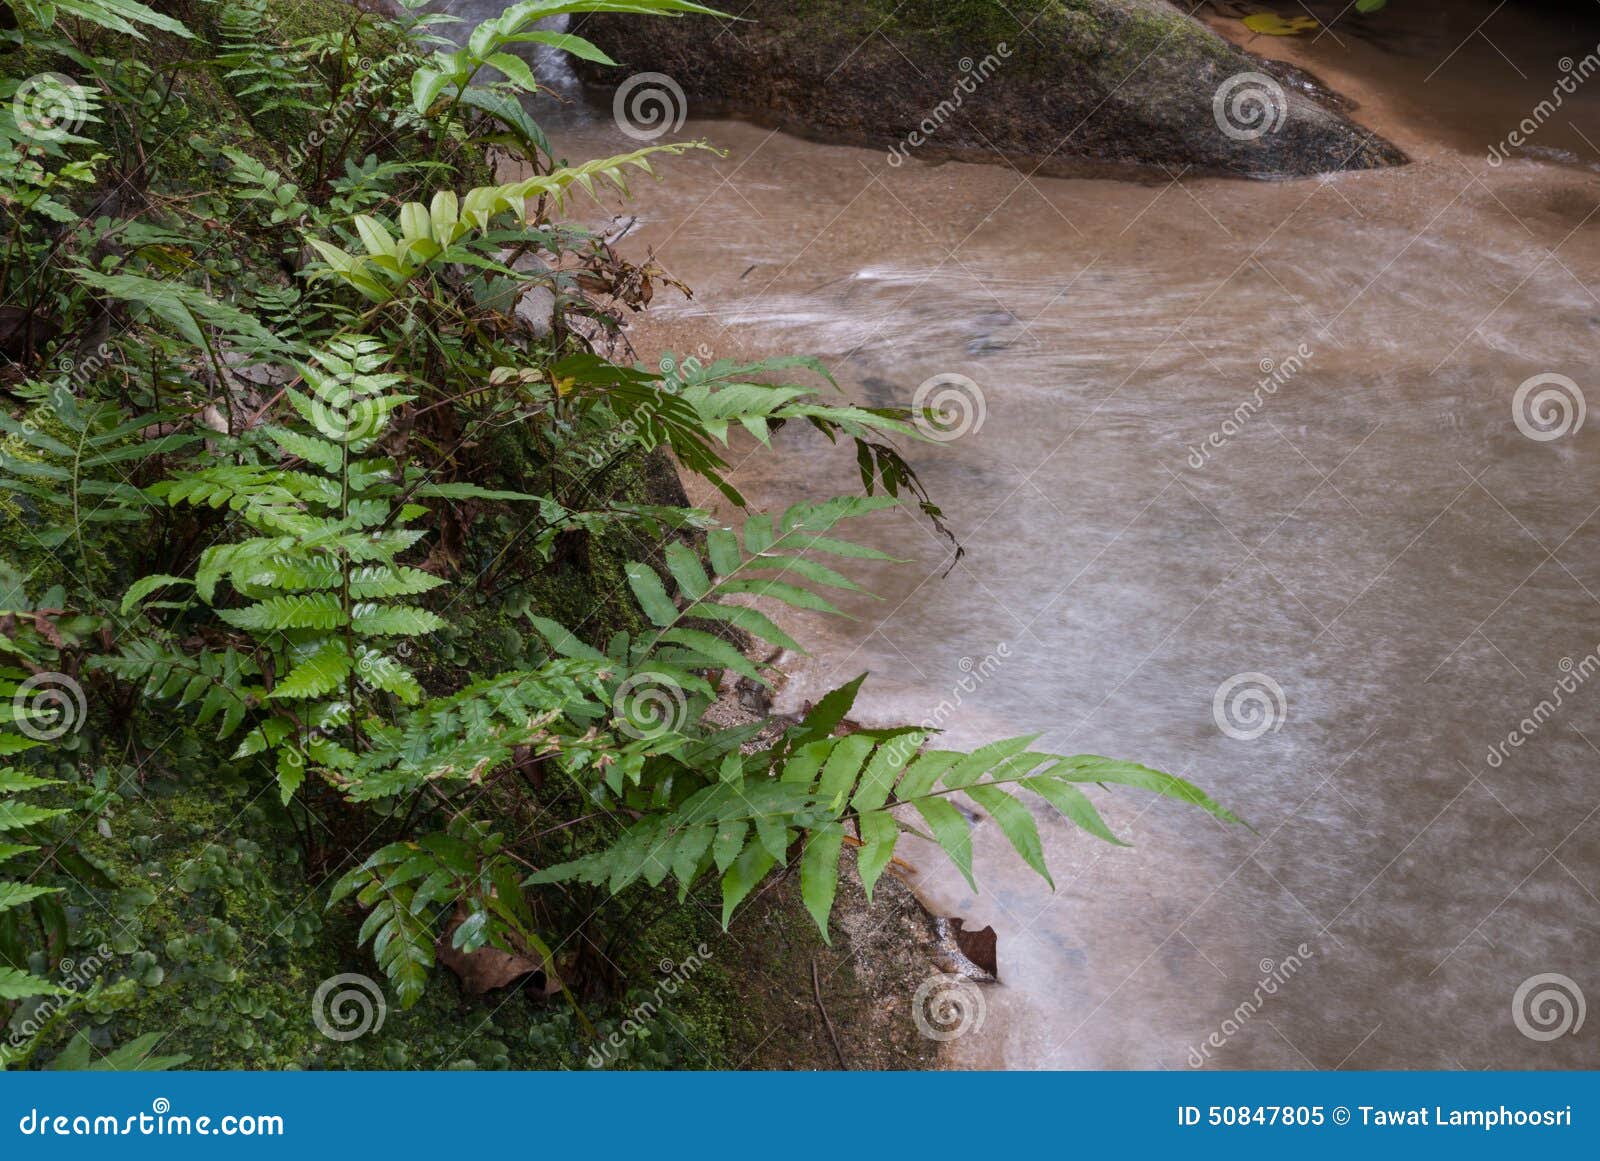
point(308, 388)
point(693, 407)
point(815, 788)
point(457, 230)
point(72, 467)
point(740, 813)
point(270, 77)
point(319, 589)
point(20, 901)
point(410, 887)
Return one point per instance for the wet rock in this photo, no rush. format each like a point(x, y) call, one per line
point(536, 305)
point(882, 393)
point(532, 302)
point(971, 954)
point(1058, 83)
point(985, 345)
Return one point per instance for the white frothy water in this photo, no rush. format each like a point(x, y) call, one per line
point(550, 65)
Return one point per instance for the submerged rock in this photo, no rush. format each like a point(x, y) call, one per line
point(1053, 84)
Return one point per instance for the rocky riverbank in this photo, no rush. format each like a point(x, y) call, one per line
point(1057, 85)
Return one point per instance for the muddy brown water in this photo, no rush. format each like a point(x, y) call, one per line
point(1375, 536)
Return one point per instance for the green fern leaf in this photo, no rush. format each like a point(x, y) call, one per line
point(318, 675)
point(17, 894)
point(1016, 823)
point(16, 815)
point(291, 773)
point(879, 833)
point(687, 570)
point(950, 829)
point(819, 874)
point(742, 876)
point(20, 985)
point(310, 611)
point(327, 456)
point(372, 620)
point(652, 595)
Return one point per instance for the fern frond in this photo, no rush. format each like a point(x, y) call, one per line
point(743, 824)
point(738, 565)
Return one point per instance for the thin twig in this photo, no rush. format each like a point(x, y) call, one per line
point(816, 987)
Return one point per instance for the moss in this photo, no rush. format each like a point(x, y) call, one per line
point(224, 943)
point(943, 19)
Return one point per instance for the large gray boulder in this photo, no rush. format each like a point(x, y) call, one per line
point(1057, 83)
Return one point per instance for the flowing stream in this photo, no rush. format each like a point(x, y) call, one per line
point(1374, 535)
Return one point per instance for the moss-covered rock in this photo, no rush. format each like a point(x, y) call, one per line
point(1059, 83)
point(230, 946)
